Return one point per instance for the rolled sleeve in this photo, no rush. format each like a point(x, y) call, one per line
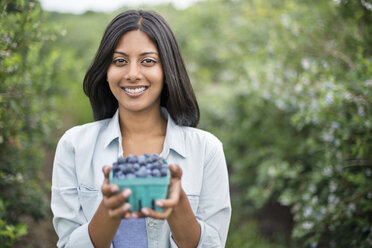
point(214, 210)
point(69, 221)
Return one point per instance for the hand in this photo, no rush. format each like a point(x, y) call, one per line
point(174, 193)
point(112, 200)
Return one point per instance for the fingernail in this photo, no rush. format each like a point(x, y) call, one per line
point(114, 188)
point(127, 193)
point(126, 207)
point(145, 211)
point(134, 215)
point(159, 203)
point(172, 166)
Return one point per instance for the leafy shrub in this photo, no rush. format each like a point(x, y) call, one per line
point(298, 127)
point(28, 68)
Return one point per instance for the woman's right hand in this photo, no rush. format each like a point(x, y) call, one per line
point(112, 200)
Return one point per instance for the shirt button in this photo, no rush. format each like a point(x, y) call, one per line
point(151, 223)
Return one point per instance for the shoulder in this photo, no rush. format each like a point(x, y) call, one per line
point(75, 134)
point(202, 142)
point(202, 136)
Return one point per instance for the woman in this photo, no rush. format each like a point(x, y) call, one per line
point(143, 102)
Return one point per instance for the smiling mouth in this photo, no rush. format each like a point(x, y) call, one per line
point(135, 90)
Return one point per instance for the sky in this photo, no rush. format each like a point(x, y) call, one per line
point(81, 6)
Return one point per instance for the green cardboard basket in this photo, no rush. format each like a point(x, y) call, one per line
point(145, 191)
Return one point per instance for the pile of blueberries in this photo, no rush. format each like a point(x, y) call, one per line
point(143, 166)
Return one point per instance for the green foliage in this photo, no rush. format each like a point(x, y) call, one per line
point(9, 233)
point(246, 234)
point(81, 37)
point(297, 127)
point(28, 84)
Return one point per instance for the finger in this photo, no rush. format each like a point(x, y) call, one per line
point(155, 214)
point(127, 215)
point(120, 212)
point(175, 171)
point(166, 203)
point(136, 214)
point(106, 171)
point(109, 189)
point(174, 191)
point(116, 200)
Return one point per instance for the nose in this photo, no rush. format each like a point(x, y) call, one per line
point(133, 73)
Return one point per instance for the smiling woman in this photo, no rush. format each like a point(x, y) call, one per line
point(143, 102)
point(135, 75)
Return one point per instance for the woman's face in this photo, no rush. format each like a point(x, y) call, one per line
point(135, 75)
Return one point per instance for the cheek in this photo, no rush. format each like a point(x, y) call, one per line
point(157, 76)
point(112, 75)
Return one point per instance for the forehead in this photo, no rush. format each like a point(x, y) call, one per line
point(136, 41)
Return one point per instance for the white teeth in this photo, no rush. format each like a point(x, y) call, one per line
point(134, 90)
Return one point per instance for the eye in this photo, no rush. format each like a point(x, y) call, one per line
point(148, 62)
point(119, 62)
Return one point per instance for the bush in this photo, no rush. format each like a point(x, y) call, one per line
point(28, 68)
point(298, 128)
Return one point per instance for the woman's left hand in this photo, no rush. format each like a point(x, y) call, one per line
point(174, 193)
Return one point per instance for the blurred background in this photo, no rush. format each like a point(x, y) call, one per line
point(286, 85)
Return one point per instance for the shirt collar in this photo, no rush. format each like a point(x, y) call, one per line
point(174, 137)
point(112, 130)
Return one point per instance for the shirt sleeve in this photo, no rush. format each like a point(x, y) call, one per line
point(214, 210)
point(69, 221)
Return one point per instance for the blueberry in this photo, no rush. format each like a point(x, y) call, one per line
point(156, 164)
point(142, 172)
point(121, 167)
point(148, 159)
point(136, 166)
point(119, 174)
point(154, 157)
point(156, 173)
point(142, 159)
point(143, 166)
point(131, 158)
point(128, 168)
point(121, 160)
point(131, 175)
point(164, 171)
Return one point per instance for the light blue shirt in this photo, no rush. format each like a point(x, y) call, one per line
point(77, 180)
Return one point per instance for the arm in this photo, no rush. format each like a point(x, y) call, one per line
point(183, 224)
point(109, 214)
point(70, 223)
point(69, 220)
point(209, 227)
point(177, 210)
point(214, 210)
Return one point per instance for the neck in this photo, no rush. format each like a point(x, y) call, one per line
point(142, 124)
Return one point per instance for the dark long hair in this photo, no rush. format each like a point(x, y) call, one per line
point(177, 94)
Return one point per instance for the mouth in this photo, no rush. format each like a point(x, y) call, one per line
point(135, 91)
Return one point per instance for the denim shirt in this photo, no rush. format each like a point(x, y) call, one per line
point(77, 179)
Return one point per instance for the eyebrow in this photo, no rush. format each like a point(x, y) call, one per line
point(142, 54)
